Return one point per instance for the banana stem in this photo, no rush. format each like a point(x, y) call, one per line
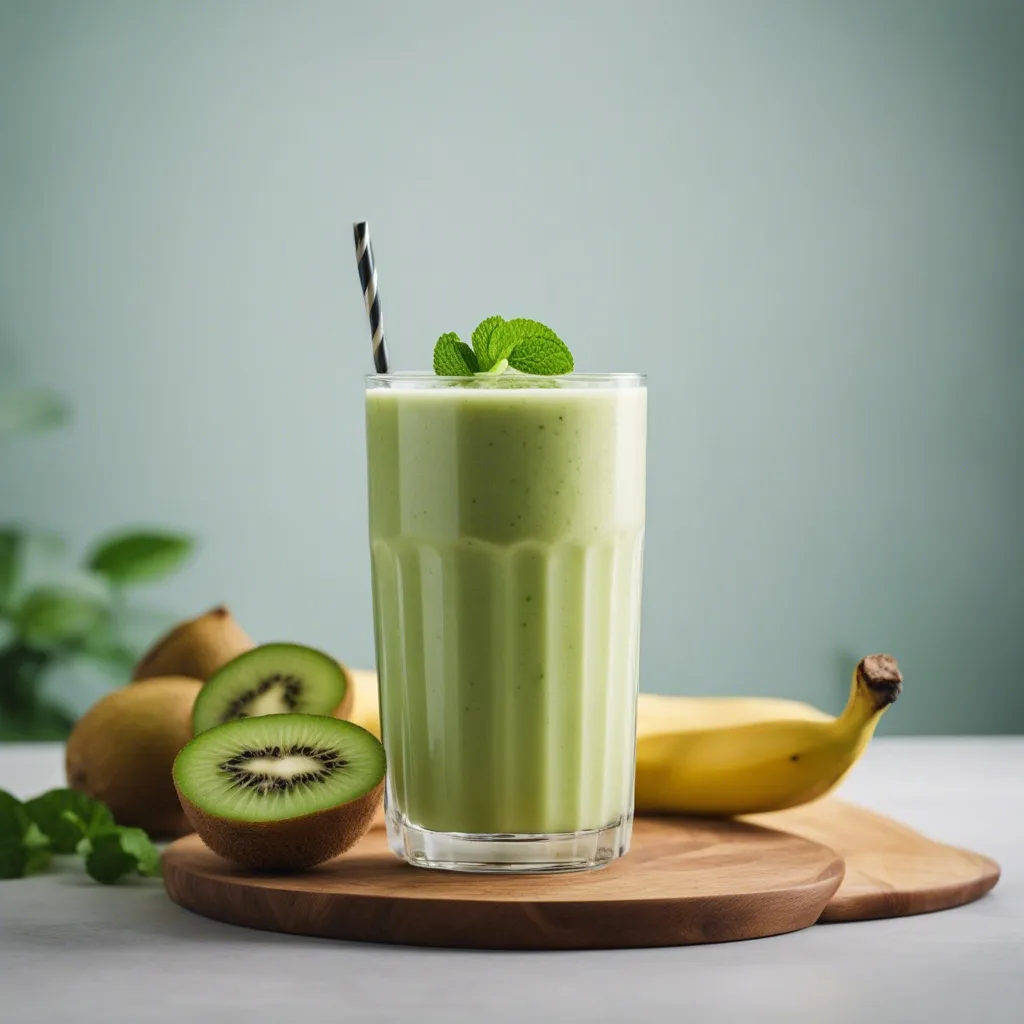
point(877, 682)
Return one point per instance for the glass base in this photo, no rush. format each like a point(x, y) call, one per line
point(545, 853)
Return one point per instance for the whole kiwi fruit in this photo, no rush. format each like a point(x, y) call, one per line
point(196, 648)
point(123, 748)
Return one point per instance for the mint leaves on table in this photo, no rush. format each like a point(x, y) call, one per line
point(64, 821)
point(122, 851)
point(65, 816)
point(524, 345)
point(23, 848)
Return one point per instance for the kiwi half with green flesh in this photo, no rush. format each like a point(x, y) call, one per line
point(273, 679)
point(281, 792)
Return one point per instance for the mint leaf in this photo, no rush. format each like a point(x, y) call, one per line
point(106, 861)
point(13, 858)
point(137, 557)
point(138, 844)
point(504, 339)
point(23, 848)
point(454, 358)
point(14, 824)
point(37, 848)
point(14, 821)
point(121, 851)
point(539, 350)
point(66, 816)
point(482, 341)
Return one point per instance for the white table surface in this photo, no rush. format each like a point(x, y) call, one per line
point(72, 950)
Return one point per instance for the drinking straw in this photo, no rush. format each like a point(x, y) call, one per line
point(368, 279)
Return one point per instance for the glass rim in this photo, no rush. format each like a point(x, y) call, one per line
point(426, 379)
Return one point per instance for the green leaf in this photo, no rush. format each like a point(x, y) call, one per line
point(539, 350)
point(134, 557)
point(39, 849)
point(14, 820)
point(28, 411)
point(454, 358)
point(66, 816)
point(120, 852)
point(482, 341)
point(107, 861)
point(23, 848)
point(10, 545)
point(140, 846)
point(14, 857)
point(52, 615)
point(505, 337)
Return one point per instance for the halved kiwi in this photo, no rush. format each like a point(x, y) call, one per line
point(273, 679)
point(281, 792)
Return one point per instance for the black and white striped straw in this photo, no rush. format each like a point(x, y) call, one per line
point(368, 279)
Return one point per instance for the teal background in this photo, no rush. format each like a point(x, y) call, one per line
point(805, 220)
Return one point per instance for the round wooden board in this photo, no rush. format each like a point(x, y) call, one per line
point(684, 881)
point(891, 870)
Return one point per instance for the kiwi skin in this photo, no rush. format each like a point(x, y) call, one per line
point(291, 844)
point(122, 750)
point(196, 648)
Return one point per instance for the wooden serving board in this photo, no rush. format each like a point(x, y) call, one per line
point(891, 870)
point(684, 881)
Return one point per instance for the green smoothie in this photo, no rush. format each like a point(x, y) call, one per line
point(506, 529)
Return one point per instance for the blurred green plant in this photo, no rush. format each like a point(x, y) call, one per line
point(70, 629)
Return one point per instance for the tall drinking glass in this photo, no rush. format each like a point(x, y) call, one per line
point(506, 531)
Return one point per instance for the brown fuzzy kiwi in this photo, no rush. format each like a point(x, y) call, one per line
point(196, 648)
point(292, 844)
point(122, 750)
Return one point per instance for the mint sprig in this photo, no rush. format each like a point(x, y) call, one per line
point(525, 345)
point(64, 821)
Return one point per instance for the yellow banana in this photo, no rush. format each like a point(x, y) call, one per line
point(366, 703)
point(658, 714)
point(714, 765)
